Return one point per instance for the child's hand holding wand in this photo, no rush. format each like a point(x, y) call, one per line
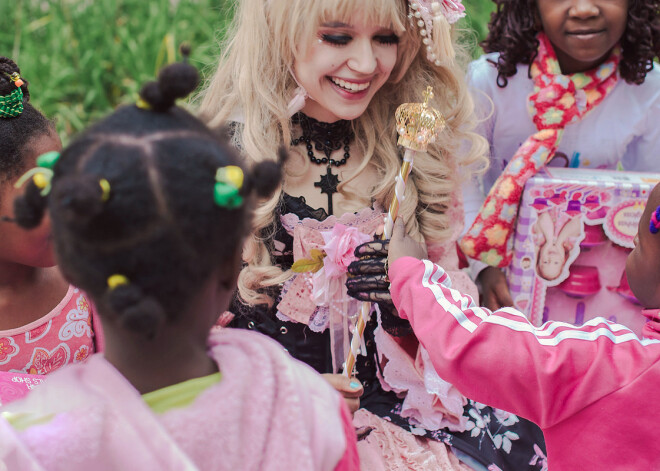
point(402, 245)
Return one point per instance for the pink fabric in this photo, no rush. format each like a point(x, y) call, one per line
point(390, 448)
point(587, 387)
point(268, 412)
point(14, 386)
point(297, 303)
point(62, 336)
point(329, 283)
point(430, 402)
point(652, 327)
point(351, 459)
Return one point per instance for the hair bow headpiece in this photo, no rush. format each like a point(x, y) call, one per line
point(434, 19)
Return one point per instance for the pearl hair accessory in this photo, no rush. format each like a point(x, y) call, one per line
point(434, 20)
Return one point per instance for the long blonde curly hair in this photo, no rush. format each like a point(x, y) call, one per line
point(253, 84)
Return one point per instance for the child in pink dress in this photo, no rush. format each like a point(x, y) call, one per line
point(45, 323)
point(149, 212)
point(588, 387)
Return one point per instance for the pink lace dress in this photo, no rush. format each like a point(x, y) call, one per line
point(409, 416)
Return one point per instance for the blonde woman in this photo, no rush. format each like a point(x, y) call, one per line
point(323, 78)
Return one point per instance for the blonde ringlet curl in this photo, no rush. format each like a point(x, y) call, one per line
point(253, 84)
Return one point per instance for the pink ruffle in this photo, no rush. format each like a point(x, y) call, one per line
point(430, 402)
point(391, 448)
point(297, 303)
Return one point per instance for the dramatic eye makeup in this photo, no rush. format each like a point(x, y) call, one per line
point(387, 38)
point(339, 38)
point(336, 39)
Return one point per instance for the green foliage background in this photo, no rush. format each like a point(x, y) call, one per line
point(85, 57)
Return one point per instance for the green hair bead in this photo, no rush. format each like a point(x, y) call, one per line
point(226, 195)
point(11, 105)
point(48, 160)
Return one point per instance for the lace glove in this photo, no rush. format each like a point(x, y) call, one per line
point(368, 281)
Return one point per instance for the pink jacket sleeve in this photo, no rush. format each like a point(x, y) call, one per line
point(350, 461)
point(545, 374)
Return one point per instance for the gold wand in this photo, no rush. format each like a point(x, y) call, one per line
point(417, 126)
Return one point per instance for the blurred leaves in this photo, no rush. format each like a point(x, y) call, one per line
point(85, 57)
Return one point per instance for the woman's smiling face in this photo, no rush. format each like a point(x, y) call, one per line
point(345, 67)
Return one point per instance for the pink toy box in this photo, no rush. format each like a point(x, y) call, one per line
point(575, 229)
point(16, 385)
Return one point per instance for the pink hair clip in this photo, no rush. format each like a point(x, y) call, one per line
point(434, 19)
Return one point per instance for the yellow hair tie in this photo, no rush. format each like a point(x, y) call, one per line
point(40, 181)
point(40, 176)
point(234, 174)
point(142, 104)
point(115, 281)
point(105, 186)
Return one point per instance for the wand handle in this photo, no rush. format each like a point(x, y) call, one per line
point(365, 308)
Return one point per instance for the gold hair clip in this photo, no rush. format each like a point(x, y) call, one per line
point(115, 281)
point(105, 187)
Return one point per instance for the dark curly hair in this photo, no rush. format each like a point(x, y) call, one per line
point(158, 225)
point(514, 25)
point(17, 133)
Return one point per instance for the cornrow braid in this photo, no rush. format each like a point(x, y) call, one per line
point(132, 199)
point(514, 25)
point(17, 133)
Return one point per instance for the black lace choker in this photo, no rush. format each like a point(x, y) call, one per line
point(327, 138)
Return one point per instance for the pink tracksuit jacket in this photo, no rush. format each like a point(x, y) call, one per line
point(590, 388)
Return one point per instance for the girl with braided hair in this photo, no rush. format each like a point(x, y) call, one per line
point(45, 322)
point(324, 78)
point(571, 79)
point(149, 211)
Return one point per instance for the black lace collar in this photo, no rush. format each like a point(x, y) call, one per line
point(327, 137)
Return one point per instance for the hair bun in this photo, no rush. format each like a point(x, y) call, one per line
point(174, 81)
point(135, 311)
point(267, 175)
point(80, 198)
point(8, 67)
point(29, 207)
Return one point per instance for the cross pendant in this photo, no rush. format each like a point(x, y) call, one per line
point(328, 184)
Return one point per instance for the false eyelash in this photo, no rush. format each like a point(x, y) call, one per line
point(336, 40)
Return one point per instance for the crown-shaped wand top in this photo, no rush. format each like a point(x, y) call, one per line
point(417, 124)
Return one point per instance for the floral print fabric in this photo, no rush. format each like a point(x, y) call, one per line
point(62, 336)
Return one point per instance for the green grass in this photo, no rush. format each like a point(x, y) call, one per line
point(85, 57)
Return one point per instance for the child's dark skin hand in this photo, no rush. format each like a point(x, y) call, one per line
point(495, 292)
point(402, 245)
